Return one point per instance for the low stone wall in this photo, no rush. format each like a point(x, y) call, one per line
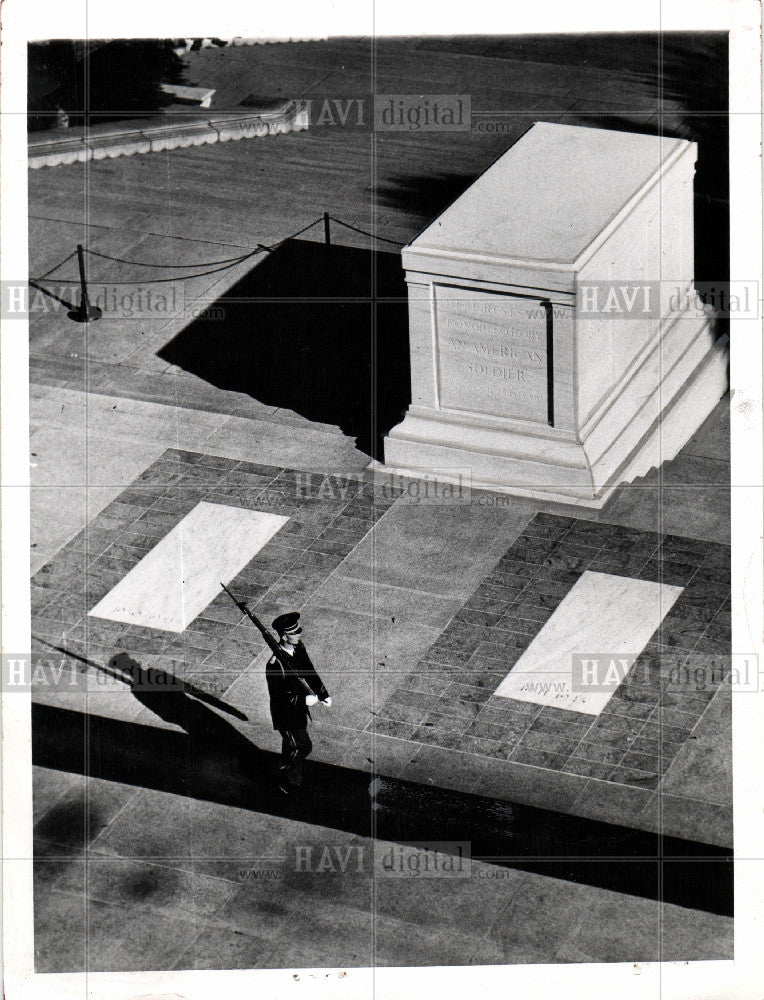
point(49, 151)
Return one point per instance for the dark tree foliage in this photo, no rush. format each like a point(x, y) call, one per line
point(98, 81)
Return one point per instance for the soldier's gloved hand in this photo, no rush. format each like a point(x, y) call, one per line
point(310, 700)
point(327, 702)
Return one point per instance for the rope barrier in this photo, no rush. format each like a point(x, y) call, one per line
point(56, 266)
point(363, 232)
point(213, 267)
point(298, 233)
point(161, 281)
point(233, 261)
point(224, 265)
point(143, 263)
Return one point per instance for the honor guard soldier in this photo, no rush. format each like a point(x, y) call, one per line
point(293, 686)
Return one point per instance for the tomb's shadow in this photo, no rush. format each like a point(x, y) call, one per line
point(513, 835)
point(321, 330)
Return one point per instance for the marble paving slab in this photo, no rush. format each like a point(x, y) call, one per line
point(181, 575)
point(602, 614)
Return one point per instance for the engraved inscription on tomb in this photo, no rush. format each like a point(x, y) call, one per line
point(492, 353)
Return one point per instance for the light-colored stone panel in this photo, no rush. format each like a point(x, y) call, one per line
point(176, 581)
point(602, 614)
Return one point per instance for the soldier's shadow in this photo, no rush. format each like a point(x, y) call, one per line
point(184, 705)
point(181, 704)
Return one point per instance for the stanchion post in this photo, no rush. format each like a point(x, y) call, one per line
point(327, 234)
point(85, 313)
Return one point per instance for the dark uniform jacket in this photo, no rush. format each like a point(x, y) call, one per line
point(287, 693)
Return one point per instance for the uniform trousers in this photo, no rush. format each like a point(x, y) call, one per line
point(295, 747)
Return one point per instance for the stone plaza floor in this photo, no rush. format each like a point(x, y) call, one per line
point(423, 677)
point(414, 614)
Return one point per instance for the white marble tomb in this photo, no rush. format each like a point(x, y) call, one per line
point(554, 349)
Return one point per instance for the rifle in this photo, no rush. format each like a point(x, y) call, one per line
point(283, 658)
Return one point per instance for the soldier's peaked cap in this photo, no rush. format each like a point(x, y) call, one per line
point(288, 624)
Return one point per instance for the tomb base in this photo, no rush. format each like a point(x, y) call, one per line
point(654, 413)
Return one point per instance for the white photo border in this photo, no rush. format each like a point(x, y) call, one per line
point(25, 20)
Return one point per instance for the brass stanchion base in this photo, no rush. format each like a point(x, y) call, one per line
point(85, 313)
